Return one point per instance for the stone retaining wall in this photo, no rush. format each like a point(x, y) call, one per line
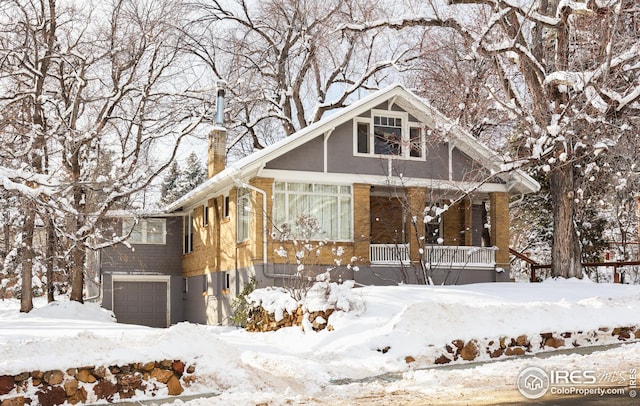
point(90, 384)
point(486, 348)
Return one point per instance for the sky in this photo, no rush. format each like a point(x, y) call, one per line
point(384, 326)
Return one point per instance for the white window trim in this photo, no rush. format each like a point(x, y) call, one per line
point(144, 278)
point(143, 225)
point(406, 126)
point(351, 209)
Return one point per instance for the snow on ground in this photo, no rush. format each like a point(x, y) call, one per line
point(291, 365)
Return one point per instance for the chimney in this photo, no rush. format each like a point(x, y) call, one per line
point(217, 154)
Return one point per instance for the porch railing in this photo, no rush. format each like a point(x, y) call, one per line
point(460, 257)
point(437, 255)
point(389, 253)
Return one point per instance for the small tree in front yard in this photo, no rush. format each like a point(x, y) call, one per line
point(306, 253)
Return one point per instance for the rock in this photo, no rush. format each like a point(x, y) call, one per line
point(514, 351)
point(497, 353)
point(188, 380)
point(637, 334)
point(178, 367)
point(37, 374)
point(79, 397)
point(174, 386)
point(105, 390)
point(100, 372)
point(114, 369)
point(6, 384)
point(161, 375)
point(566, 334)
point(71, 387)
point(458, 344)
point(128, 384)
point(191, 369)
point(36, 382)
point(409, 359)
point(443, 359)
point(546, 336)
point(17, 401)
point(126, 394)
point(603, 329)
point(624, 335)
point(54, 377)
point(449, 348)
point(166, 363)
point(148, 367)
point(72, 371)
point(522, 341)
point(84, 375)
point(51, 396)
point(21, 377)
point(469, 352)
point(330, 327)
point(554, 342)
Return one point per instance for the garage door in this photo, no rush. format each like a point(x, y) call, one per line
point(144, 303)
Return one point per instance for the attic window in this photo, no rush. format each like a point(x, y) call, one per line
point(388, 133)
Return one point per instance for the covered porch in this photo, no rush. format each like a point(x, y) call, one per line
point(468, 234)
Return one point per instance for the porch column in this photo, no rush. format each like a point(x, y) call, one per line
point(499, 202)
point(468, 225)
point(361, 221)
point(416, 200)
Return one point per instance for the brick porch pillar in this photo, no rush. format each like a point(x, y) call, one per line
point(416, 200)
point(361, 221)
point(499, 202)
point(468, 225)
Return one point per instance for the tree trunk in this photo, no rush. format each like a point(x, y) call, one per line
point(77, 274)
point(565, 249)
point(50, 260)
point(26, 301)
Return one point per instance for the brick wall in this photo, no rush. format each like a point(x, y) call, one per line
point(453, 224)
point(361, 221)
point(500, 227)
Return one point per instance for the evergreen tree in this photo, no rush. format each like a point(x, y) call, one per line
point(193, 174)
point(169, 186)
point(179, 182)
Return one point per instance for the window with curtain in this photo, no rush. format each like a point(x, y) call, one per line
point(242, 217)
point(313, 211)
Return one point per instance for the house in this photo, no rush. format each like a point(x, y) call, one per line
point(384, 191)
